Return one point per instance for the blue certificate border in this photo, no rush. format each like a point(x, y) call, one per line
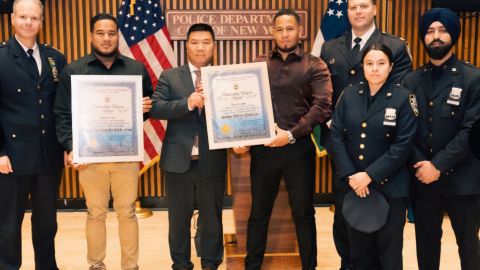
point(256, 71)
point(131, 151)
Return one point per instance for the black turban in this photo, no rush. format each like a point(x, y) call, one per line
point(448, 18)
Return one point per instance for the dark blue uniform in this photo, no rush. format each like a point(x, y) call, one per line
point(375, 135)
point(448, 101)
point(27, 137)
point(346, 70)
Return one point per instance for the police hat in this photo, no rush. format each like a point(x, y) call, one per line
point(475, 139)
point(367, 214)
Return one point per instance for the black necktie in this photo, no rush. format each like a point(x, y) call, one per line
point(32, 60)
point(356, 48)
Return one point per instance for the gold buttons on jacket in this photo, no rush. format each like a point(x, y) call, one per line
point(352, 71)
point(42, 116)
point(14, 136)
point(19, 90)
point(363, 135)
point(387, 135)
point(43, 131)
point(360, 157)
point(40, 101)
point(364, 124)
point(430, 103)
point(362, 146)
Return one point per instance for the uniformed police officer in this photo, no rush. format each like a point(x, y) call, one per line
point(372, 135)
point(447, 174)
point(342, 56)
point(31, 158)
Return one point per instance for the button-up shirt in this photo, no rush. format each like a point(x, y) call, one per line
point(301, 91)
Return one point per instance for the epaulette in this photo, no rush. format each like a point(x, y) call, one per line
point(47, 46)
point(468, 64)
point(393, 36)
point(3, 44)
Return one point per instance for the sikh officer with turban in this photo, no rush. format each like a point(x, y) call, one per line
point(447, 174)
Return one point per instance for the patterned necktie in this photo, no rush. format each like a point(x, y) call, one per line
point(31, 59)
point(356, 48)
point(198, 79)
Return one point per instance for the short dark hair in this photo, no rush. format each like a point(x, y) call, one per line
point(99, 17)
point(200, 27)
point(373, 2)
point(288, 12)
point(379, 47)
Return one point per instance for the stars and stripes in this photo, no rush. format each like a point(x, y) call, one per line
point(334, 23)
point(144, 37)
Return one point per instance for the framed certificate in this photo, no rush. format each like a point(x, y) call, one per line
point(107, 121)
point(238, 105)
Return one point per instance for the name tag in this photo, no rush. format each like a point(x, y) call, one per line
point(390, 118)
point(454, 97)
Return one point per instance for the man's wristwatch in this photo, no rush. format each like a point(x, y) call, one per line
point(291, 139)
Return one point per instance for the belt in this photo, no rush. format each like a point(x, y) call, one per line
point(194, 157)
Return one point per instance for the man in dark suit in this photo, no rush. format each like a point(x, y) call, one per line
point(192, 171)
point(31, 159)
point(447, 173)
point(342, 56)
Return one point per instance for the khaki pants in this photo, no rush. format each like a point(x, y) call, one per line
point(97, 181)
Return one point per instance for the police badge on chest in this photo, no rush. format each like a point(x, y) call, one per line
point(390, 118)
point(454, 97)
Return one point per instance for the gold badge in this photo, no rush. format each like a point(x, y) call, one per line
point(54, 69)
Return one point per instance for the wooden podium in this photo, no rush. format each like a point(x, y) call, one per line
point(282, 250)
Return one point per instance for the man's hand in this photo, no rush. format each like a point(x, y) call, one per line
point(359, 183)
point(280, 139)
point(240, 149)
point(5, 166)
point(76, 166)
point(426, 172)
point(147, 104)
point(195, 100)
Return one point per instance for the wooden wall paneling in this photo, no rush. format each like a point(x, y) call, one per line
point(66, 26)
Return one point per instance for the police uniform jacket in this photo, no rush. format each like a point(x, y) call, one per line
point(377, 140)
point(27, 133)
point(346, 70)
point(446, 115)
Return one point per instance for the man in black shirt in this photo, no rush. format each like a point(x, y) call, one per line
point(99, 179)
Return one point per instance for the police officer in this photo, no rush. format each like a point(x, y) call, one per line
point(342, 56)
point(31, 158)
point(372, 135)
point(447, 174)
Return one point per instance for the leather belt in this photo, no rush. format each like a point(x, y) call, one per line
point(194, 157)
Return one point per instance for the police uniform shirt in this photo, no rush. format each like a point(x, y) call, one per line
point(374, 135)
point(447, 98)
point(36, 54)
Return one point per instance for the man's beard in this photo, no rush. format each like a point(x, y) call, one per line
point(438, 52)
point(102, 54)
point(287, 50)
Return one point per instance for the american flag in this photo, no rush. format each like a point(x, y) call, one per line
point(144, 37)
point(334, 23)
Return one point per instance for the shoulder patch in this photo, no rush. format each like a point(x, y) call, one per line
point(413, 103)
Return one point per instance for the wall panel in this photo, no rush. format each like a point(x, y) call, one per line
point(67, 25)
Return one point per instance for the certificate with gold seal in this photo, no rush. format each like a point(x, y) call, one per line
point(238, 105)
point(107, 120)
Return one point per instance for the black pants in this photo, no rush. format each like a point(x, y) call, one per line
point(182, 189)
point(14, 193)
point(296, 164)
point(340, 231)
point(464, 213)
point(381, 249)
